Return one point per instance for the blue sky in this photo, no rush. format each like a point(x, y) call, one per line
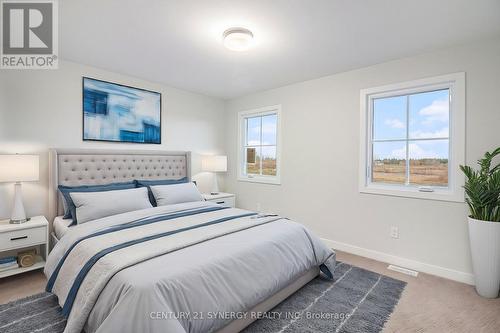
point(268, 127)
point(428, 118)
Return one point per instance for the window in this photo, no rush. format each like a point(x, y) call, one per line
point(259, 146)
point(412, 138)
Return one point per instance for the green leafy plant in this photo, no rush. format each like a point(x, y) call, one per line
point(482, 188)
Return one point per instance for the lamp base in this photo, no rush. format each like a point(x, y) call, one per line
point(215, 185)
point(18, 215)
point(19, 221)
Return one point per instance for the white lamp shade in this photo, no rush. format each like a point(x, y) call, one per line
point(214, 163)
point(19, 168)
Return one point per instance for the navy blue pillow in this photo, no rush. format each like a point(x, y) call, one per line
point(70, 205)
point(148, 183)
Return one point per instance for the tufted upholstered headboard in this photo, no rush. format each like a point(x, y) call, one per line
point(74, 167)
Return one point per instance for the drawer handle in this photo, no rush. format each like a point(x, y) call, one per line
point(220, 202)
point(18, 238)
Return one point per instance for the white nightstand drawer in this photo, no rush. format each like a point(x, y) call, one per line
point(224, 199)
point(24, 237)
point(226, 202)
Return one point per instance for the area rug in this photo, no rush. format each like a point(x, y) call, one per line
point(355, 301)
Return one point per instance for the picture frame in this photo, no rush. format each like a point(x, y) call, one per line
point(114, 112)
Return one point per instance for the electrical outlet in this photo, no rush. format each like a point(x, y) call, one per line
point(394, 232)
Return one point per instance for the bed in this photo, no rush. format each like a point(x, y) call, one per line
point(60, 226)
point(187, 267)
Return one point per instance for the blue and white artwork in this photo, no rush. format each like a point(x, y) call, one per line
point(114, 112)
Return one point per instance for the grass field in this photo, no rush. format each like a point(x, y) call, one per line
point(268, 167)
point(422, 172)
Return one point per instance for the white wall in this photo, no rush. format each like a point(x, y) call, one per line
point(43, 109)
point(3, 105)
point(320, 131)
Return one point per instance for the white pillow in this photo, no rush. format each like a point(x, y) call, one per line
point(95, 205)
point(176, 193)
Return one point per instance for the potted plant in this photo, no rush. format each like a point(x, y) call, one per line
point(482, 189)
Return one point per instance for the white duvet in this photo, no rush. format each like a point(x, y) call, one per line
point(189, 281)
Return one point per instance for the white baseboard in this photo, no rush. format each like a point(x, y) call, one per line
point(446, 273)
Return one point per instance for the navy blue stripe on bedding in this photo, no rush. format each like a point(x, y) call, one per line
point(326, 271)
point(128, 225)
point(68, 304)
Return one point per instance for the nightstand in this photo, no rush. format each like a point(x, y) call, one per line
point(224, 199)
point(15, 238)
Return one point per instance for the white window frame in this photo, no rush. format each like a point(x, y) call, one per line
point(242, 115)
point(454, 192)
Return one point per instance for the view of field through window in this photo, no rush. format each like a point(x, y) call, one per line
point(260, 145)
point(410, 142)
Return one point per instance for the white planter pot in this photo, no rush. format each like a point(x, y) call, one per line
point(485, 247)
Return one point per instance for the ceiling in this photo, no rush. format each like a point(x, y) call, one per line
point(178, 43)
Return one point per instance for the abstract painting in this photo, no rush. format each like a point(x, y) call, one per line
point(119, 113)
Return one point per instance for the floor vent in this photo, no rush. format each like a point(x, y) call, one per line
point(403, 270)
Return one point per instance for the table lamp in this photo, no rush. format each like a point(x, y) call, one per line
point(17, 169)
point(214, 164)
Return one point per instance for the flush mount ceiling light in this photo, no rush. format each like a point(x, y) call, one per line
point(237, 39)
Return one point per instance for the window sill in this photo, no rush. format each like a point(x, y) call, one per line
point(438, 194)
point(260, 180)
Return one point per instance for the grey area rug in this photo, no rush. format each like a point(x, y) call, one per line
point(355, 301)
